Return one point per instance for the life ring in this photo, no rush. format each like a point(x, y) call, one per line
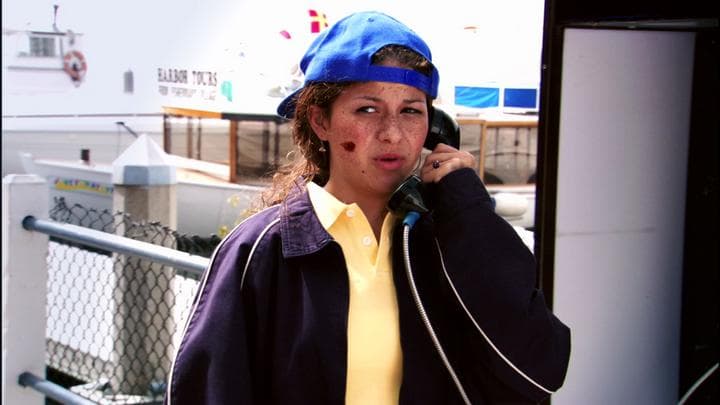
point(75, 65)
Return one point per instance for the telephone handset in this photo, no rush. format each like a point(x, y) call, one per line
point(442, 129)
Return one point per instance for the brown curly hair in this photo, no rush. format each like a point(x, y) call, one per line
point(308, 162)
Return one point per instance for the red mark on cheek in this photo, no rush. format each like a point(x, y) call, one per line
point(348, 146)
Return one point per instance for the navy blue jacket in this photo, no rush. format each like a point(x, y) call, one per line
point(272, 329)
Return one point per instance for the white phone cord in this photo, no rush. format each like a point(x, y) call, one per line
point(424, 316)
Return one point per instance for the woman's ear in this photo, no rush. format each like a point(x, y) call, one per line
point(318, 122)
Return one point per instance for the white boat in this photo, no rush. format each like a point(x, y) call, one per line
point(200, 189)
point(53, 91)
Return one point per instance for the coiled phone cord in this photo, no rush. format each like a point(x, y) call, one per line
point(410, 218)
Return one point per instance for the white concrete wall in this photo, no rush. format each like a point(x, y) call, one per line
point(624, 124)
point(24, 287)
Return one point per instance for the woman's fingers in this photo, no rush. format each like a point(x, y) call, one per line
point(443, 160)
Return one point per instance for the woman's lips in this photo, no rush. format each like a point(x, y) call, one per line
point(389, 161)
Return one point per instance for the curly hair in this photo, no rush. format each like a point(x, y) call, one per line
point(308, 163)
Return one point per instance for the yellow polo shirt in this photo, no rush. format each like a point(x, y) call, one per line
point(374, 369)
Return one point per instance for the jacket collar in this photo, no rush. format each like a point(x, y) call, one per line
point(301, 230)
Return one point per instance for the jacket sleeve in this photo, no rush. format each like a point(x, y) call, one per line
point(212, 363)
point(492, 276)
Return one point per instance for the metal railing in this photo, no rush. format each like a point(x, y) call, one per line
point(118, 244)
point(184, 264)
point(52, 390)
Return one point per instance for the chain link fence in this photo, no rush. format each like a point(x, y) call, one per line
point(114, 321)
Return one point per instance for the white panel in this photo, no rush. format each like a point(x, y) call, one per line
point(624, 318)
point(624, 122)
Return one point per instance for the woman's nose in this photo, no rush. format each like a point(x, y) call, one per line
point(390, 130)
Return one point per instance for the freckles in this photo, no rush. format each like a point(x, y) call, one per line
point(348, 146)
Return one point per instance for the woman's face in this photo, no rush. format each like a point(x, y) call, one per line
point(376, 131)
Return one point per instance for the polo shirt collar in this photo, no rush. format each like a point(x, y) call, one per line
point(327, 207)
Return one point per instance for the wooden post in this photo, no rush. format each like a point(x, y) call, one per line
point(233, 148)
point(167, 134)
point(198, 153)
point(483, 142)
point(266, 145)
point(277, 145)
point(189, 138)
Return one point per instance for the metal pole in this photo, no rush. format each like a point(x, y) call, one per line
point(52, 390)
point(90, 237)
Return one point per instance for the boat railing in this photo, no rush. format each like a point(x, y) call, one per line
point(244, 146)
point(506, 149)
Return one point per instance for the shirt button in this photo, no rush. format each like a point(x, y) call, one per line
point(367, 241)
point(350, 213)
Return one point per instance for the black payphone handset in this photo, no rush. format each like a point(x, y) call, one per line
point(442, 129)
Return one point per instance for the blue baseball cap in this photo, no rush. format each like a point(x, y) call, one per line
point(343, 53)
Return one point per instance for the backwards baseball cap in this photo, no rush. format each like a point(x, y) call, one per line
point(343, 53)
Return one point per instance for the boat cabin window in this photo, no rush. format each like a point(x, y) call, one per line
point(42, 46)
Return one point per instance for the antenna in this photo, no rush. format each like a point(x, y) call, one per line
point(55, 10)
point(122, 124)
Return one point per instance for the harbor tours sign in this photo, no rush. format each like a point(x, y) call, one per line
point(192, 84)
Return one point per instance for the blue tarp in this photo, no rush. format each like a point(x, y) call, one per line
point(486, 97)
point(478, 97)
point(522, 98)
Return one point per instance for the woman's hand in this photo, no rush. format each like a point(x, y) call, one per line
point(443, 160)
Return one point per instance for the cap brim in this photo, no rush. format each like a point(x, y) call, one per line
point(286, 108)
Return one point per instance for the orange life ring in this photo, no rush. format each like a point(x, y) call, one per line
point(75, 65)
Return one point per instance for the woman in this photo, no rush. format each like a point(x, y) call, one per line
point(311, 300)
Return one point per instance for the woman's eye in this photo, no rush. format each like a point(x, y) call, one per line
point(411, 110)
point(367, 109)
